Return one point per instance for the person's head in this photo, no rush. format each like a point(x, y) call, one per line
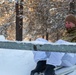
point(70, 22)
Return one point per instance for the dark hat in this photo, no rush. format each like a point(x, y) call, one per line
point(71, 18)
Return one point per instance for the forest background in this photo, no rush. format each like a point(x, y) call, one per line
point(40, 18)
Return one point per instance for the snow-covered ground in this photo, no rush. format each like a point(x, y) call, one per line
point(16, 62)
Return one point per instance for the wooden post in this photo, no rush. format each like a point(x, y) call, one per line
point(19, 20)
point(46, 35)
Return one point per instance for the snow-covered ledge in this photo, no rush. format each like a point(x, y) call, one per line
point(38, 46)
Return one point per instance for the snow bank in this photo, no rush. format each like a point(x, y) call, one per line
point(16, 62)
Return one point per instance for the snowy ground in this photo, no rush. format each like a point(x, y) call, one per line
point(17, 62)
point(14, 62)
